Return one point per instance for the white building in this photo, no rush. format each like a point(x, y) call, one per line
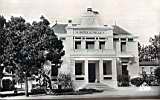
point(96, 53)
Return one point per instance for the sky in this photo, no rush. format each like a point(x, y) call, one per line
point(140, 17)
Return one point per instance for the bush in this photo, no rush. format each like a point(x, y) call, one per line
point(65, 81)
point(90, 90)
point(38, 91)
point(150, 80)
point(137, 81)
point(62, 90)
point(123, 80)
point(7, 85)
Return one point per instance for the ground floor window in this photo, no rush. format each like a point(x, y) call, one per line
point(79, 67)
point(107, 67)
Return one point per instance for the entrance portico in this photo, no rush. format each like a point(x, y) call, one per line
point(93, 71)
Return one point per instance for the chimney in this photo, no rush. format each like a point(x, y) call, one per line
point(69, 22)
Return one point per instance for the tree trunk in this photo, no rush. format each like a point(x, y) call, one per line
point(26, 86)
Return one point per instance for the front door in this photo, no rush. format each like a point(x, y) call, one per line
point(124, 70)
point(92, 72)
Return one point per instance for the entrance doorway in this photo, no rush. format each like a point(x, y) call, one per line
point(92, 72)
point(124, 70)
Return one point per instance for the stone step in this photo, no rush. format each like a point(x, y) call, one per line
point(98, 86)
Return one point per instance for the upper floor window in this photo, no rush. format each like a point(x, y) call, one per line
point(90, 44)
point(102, 38)
point(116, 39)
point(90, 38)
point(77, 38)
point(123, 39)
point(102, 45)
point(123, 46)
point(130, 39)
point(62, 38)
point(77, 44)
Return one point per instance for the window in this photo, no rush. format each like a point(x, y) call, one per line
point(79, 68)
point(101, 45)
point(101, 38)
point(123, 39)
point(77, 44)
point(130, 39)
point(107, 67)
point(124, 60)
point(90, 38)
point(77, 37)
point(116, 39)
point(62, 38)
point(143, 70)
point(90, 45)
point(54, 71)
point(151, 70)
point(123, 46)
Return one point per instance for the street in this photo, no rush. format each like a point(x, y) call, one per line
point(126, 93)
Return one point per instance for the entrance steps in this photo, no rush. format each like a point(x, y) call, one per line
point(98, 86)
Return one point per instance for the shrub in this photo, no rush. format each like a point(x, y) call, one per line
point(62, 90)
point(7, 85)
point(137, 81)
point(38, 91)
point(150, 80)
point(65, 81)
point(90, 90)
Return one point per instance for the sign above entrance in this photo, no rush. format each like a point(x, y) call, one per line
point(89, 32)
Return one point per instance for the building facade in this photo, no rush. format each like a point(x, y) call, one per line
point(96, 53)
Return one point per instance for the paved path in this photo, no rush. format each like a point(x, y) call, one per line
point(124, 93)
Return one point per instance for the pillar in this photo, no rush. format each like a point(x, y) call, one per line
point(101, 70)
point(96, 44)
point(83, 44)
point(72, 66)
point(97, 72)
point(86, 70)
point(114, 72)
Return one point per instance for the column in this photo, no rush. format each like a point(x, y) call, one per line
point(83, 44)
point(106, 43)
point(86, 70)
point(72, 68)
point(101, 70)
point(97, 72)
point(114, 72)
point(97, 44)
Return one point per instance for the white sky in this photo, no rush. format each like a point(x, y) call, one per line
point(141, 17)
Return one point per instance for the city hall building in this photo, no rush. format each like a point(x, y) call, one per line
point(96, 53)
